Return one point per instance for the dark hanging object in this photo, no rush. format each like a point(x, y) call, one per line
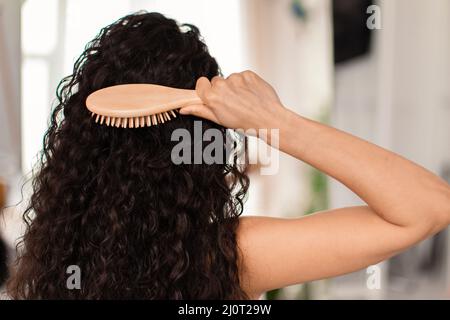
point(351, 35)
point(3, 264)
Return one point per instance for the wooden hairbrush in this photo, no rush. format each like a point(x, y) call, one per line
point(139, 104)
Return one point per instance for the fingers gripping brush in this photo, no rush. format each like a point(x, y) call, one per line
point(138, 105)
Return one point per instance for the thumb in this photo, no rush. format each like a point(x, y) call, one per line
point(202, 86)
point(199, 110)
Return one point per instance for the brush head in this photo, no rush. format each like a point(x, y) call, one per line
point(138, 105)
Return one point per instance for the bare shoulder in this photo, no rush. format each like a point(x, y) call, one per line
point(251, 235)
point(251, 224)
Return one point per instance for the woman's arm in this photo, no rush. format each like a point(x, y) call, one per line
point(398, 190)
point(406, 203)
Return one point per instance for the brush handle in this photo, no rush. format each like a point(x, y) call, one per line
point(189, 97)
point(139, 100)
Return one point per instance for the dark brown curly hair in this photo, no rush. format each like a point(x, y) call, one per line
point(111, 201)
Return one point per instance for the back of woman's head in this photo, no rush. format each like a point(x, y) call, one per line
point(112, 202)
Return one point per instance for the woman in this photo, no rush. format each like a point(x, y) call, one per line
point(111, 202)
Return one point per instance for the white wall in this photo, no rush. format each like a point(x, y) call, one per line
point(10, 57)
point(295, 57)
point(398, 98)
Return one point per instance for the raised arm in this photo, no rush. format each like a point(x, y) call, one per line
point(406, 203)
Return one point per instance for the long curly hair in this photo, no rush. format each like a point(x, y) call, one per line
point(111, 201)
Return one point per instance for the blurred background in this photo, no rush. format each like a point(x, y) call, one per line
point(380, 72)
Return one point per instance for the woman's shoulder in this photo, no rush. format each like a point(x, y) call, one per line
point(250, 235)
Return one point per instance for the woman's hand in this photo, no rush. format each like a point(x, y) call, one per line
point(241, 101)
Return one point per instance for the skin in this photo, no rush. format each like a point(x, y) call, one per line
point(405, 202)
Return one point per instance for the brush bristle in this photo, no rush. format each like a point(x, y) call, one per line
point(135, 122)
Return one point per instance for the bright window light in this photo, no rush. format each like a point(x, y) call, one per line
point(39, 26)
point(35, 108)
